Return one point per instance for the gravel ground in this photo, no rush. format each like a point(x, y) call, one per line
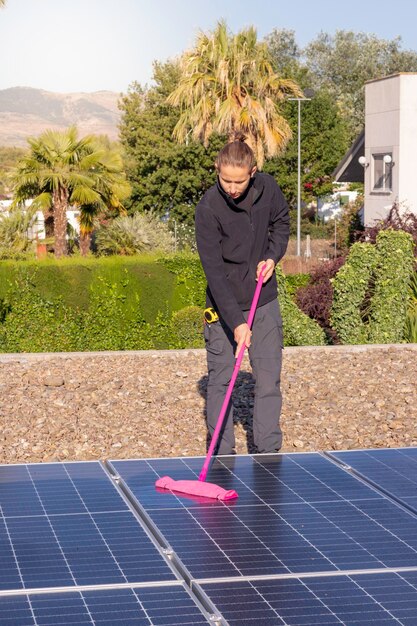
point(58, 407)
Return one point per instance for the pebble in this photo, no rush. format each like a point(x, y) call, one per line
point(52, 381)
point(85, 407)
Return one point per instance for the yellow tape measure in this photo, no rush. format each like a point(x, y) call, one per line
point(210, 315)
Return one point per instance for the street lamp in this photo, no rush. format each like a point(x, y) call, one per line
point(308, 94)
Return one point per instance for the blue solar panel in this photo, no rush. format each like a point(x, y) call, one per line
point(296, 513)
point(311, 539)
point(157, 606)
point(378, 599)
point(67, 525)
point(392, 470)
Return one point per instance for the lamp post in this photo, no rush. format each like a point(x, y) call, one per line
point(308, 94)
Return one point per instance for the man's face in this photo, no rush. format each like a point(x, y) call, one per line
point(234, 180)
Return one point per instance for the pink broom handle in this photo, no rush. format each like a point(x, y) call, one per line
point(220, 419)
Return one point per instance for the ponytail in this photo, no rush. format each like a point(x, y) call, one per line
point(237, 153)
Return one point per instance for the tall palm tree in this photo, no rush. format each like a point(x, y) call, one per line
point(228, 85)
point(111, 186)
point(62, 170)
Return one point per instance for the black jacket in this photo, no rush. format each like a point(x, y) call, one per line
point(231, 240)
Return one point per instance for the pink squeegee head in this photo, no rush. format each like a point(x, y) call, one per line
point(196, 488)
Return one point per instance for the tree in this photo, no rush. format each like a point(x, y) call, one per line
point(228, 85)
point(61, 170)
point(166, 177)
point(285, 53)
point(343, 62)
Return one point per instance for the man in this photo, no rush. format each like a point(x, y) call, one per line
point(242, 223)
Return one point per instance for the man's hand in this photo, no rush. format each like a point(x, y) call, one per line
point(242, 334)
point(269, 270)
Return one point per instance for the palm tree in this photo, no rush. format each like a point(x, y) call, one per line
point(111, 186)
point(62, 170)
point(228, 86)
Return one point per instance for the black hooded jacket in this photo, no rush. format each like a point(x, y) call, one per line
point(233, 236)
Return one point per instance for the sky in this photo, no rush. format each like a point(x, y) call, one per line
point(92, 45)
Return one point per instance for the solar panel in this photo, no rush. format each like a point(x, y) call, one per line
point(296, 513)
point(392, 470)
point(159, 606)
point(381, 599)
point(66, 525)
point(307, 542)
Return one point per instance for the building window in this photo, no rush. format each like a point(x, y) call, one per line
point(382, 172)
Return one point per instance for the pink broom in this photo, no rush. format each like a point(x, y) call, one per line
point(200, 487)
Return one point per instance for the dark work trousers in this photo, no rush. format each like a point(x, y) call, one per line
point(265, 354)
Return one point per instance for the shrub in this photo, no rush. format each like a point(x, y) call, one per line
point(391, 296)
point(349, 226)
point(71, 279)
point(129, 235)
point(298, 328)
point(183, 235)
point(371, 290)
point(350, 287)
point(395, 220)
point(187, 328)
point(3, 310)
point(14, 240)
point(315, 298)
point(110, 323)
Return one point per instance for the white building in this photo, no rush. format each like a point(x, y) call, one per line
point(386, 152)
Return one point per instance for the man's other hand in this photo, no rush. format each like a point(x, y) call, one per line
point(269, 270)
point(242, 334)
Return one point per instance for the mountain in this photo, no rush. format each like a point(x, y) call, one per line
point(26, 112)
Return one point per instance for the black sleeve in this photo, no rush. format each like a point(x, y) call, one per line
point(279, 226)
point(208, 237)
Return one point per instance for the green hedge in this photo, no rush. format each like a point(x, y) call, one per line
point(350, 287)
point(390, 300)
point(116, 304)
point(72, 279)
point(371, 291)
